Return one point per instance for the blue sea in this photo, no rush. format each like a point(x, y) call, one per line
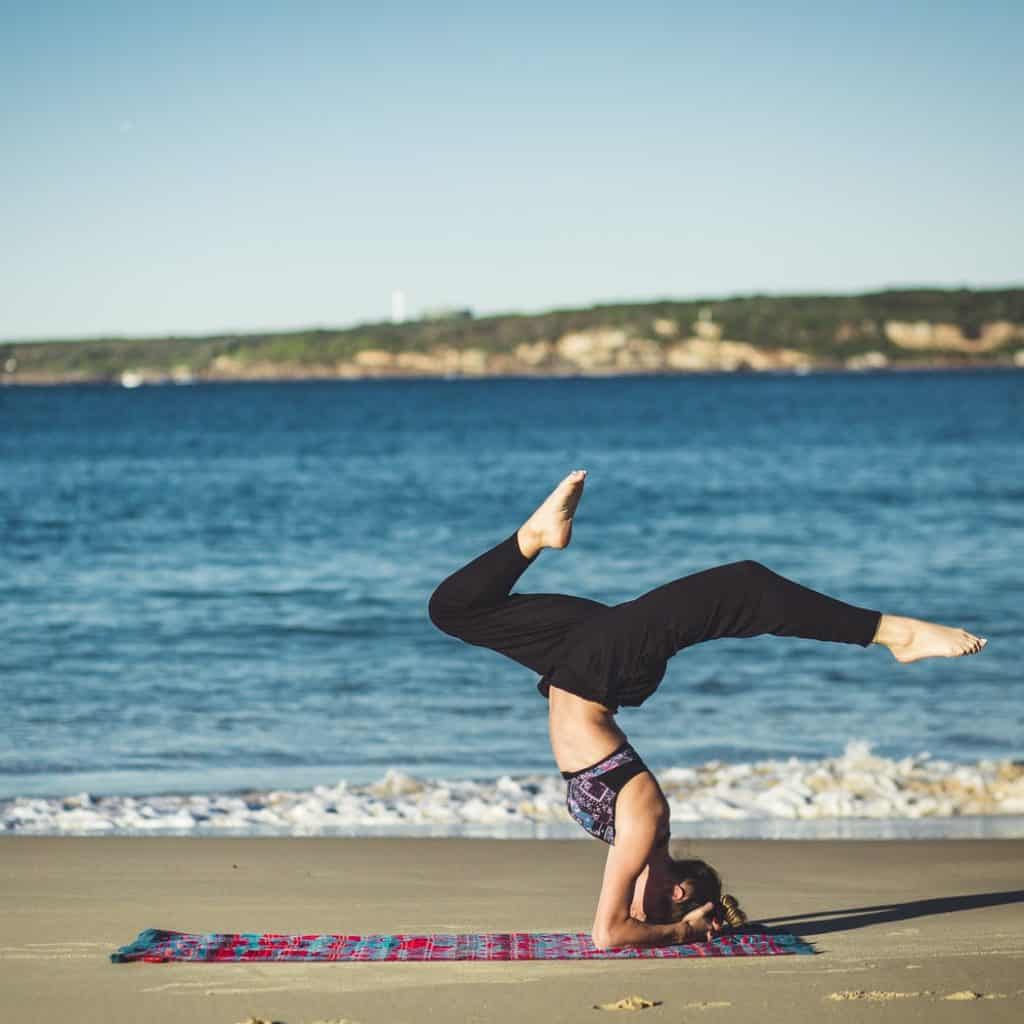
point(222, 588)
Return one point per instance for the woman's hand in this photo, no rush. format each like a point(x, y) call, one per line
point(699, 924)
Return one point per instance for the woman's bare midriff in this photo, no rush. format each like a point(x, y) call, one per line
point(583, 732)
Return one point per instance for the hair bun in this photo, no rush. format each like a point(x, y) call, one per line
point(734, 916)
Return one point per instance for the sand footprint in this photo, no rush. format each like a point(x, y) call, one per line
point(884, 997)
point(874, 997)
point(629, 1003)
point(333, 1020)
point(967, 994)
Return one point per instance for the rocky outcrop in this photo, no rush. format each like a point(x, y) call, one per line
point(598, 352)
point(702, 354)
point(923, 335)
point(665, 328)
point(609, 350)
point(867, 361)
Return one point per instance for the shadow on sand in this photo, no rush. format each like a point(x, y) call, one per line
point(862, 917)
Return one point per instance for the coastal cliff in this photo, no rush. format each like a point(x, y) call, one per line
point(924, 328)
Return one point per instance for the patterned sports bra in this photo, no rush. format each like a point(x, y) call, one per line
point(592, 792)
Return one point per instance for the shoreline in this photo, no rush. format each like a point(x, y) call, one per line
point(918, 930)
point(995, 827)
point(286, 376)
point(857, 793)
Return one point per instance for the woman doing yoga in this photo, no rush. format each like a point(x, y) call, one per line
point(592, 658)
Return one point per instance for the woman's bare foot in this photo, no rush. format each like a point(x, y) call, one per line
point(914, 639)
point(551, 525)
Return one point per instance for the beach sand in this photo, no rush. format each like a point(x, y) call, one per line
point(905, 931)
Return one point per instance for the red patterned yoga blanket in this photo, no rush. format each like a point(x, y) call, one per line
point(157, 946)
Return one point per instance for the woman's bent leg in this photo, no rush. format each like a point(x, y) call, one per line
point(476, 605)
point(482, 583)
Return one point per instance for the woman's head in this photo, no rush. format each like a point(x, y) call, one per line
point(694, 883)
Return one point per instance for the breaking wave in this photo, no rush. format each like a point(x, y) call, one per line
point(855, 794)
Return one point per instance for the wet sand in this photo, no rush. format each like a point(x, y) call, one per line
point(905, 931)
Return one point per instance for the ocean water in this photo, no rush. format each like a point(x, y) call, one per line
point(217, 589)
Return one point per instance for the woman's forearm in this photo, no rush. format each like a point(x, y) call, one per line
point(631, 932)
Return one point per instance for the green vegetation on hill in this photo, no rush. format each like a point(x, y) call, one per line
point(829, 328)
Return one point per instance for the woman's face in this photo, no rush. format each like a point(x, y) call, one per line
point(658, 899)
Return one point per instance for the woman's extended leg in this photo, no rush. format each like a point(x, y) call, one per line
point(475, 604)
point(747, 599)
point(624, 650)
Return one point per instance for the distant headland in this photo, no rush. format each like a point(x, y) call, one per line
point(896, 329)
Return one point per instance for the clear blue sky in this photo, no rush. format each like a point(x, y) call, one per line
point(195, 167)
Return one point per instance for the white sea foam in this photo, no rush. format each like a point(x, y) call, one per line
point(915, 795)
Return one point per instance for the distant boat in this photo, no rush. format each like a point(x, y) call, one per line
point(130, 379)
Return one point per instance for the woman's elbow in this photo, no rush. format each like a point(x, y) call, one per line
point(602, 937)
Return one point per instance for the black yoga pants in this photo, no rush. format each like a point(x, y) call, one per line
point(616, 655)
